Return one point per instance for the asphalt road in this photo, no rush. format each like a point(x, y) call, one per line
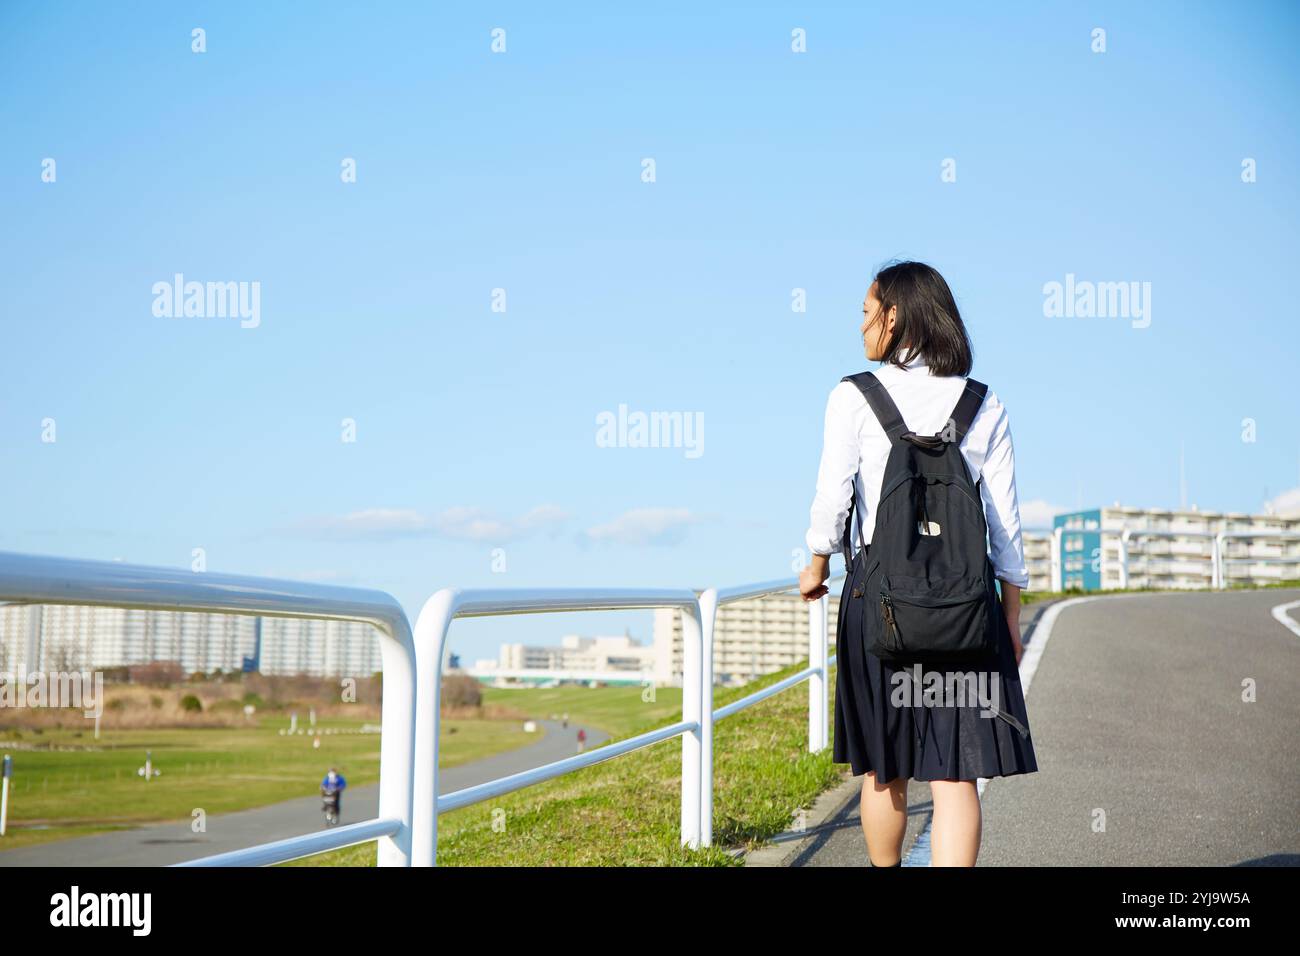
point(1147, 753)
point(166, 843)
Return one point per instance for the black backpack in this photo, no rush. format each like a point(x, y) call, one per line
point(928, 582)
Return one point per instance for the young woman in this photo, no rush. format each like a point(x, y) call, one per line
point(911, 325)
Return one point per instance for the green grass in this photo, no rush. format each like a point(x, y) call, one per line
point(616, 710)
point(73, 785)
point(627, 811)
point(1031, 597)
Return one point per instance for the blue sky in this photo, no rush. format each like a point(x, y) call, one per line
point(522, 170)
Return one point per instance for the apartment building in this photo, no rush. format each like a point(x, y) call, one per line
point(68, 638)
point(750, 638)
point(619, 658)
point(1119, 546)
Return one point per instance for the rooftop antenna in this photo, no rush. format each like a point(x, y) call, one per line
point(1182, 479)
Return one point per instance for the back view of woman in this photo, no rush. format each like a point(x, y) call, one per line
point(912, 325)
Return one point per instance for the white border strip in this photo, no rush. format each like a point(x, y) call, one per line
point(919, 855)
point(1280, 615)
point(920, 852)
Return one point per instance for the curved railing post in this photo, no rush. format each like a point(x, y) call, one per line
point(431, 629)
point(692, 707)
point(430, 639)
point(39, 580)
point(818, 614)
point(708, 620)
point(397, 741)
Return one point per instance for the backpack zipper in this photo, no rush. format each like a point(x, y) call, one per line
point(887, 607)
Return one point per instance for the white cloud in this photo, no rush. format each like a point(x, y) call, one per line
point(461, 523)
point(664, 526)
point(1286, 504)
point(1038, 514)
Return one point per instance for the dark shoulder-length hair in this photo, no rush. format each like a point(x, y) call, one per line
point(928, 321)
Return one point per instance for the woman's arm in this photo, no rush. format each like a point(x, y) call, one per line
point(1001, 505)
point(812, 579)
point(1011, 610)
point(830, 508)
point(1002, 512)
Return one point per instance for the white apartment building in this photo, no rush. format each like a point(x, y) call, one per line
point(318, 648)
point(575, 657)
point(1038, 558)
point(750, 638)
point(1173, 548)
point(67, 638)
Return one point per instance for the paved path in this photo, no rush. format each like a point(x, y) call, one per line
point(1147, 754)
point(166, 843)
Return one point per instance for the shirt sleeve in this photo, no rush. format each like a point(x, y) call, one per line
point(841, 452)
point(1001, 506)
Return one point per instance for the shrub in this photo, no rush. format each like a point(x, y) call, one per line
point(191, 704)
point(157, 673)
point(461, 690)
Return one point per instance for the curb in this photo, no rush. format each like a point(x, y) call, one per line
point(778, 850)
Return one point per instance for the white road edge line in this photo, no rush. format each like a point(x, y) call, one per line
point(919, 855)
point(1279, 613)
point(920, 852)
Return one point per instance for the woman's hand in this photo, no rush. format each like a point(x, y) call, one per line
point(812, 579)
point(1019, 648)
point(1011, 610)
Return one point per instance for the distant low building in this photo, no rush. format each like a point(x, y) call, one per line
point(618, 659)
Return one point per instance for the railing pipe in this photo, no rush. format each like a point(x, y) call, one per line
point(431, 630)
point(37, 579)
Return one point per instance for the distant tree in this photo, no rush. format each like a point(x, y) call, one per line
point(461, 690)
point(157, 673)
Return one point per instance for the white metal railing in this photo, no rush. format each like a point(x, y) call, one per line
point(431, 629)
point(699, 614)
point(815, 673)
point(409, 805)
point(294, 848)
point(34, 579)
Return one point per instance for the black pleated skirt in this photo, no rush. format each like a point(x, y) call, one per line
point(944, 736)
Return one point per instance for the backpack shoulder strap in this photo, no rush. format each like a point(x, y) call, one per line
point(968, 406)
point(881, 404)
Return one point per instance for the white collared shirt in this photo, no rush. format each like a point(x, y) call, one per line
point(855, 446)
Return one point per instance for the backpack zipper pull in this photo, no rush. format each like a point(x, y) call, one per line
point(888, 607)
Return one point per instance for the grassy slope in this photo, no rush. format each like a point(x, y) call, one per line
point(628, 811)
point(615, 710)
point(94, 787)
